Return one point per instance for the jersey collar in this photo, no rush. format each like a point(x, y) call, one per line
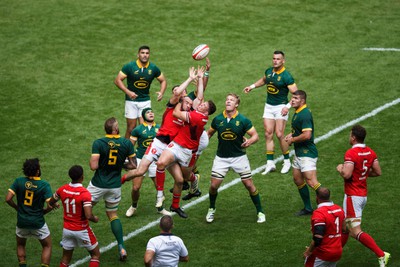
point(325, 204)
point(34, 178)
point(359, 145)
point(146, 124)
point(166, 234)
point(234, 115)
point(75, 184)
point(279, 71)
point(113, 135)
point(301, 108)
point(140, 64)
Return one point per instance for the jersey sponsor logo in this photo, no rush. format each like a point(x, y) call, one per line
point(71, 193)
point(237, 123)
point(29, 185)
point(147, 142)
point(112, 144)
point(228, 135)
point(364, 153)
point(272, 89)
point(141, 84)
point(150, 72)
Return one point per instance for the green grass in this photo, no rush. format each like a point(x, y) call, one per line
point(59, 60)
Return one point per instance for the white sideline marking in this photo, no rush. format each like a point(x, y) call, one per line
point(237, 180)
point(381, 49)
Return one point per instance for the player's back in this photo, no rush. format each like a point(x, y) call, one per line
point(113, 151)
point(332, 216)
point(190, 133)
point(74, 198)
point(362, 157)
point(31, 195)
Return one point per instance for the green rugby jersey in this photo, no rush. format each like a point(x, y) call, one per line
point(113, 151)
point(303, 120)
point(139, 79)
point(144, 135)
point(192, 95)
point(230, 134)
point(31, 194)
point(277, 86)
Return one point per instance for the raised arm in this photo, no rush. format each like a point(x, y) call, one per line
point(179, 90)
point(200, 88)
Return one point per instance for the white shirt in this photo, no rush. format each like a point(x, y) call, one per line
point(168, 248)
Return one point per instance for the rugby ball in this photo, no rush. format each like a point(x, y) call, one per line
point(200, 52)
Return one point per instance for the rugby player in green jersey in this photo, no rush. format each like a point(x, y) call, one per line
point(31, 192)
point(139, 74)
point(107, 160)
point(231, 128)
point(304, 165)
point(276, 111)
point(142, 136)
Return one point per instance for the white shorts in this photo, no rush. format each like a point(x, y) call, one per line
point(182, 155)
point(40, 234)
point(152, 168)
point(73, 239)
point(304, 163)
point(133, 109)
point(274, 112)
point(353, 207)
point(240, 165)
point(204, 140)
point(110, 195)
point(154, 150)
point(317, 262)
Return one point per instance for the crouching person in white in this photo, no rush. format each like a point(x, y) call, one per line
point(165, 249)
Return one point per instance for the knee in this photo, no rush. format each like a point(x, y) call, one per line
point(178, 180)
point(136, 188)
point(298, 181)
point(268, 134)
point(279, 134)
point(213, 188)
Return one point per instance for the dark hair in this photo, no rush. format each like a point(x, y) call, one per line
point(278, 52)
point(31, 167)
point(302, 94)
point(323, 193)
point(109, 125)
point(211, 107)
point(144, 47)
point(235, 96)
point(359, 133)
point(144, 111)
point(75, 172)
point(166, 223)
point(175, 86)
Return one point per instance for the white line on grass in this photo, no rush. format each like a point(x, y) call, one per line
point(381, 49)
point(237, 180)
